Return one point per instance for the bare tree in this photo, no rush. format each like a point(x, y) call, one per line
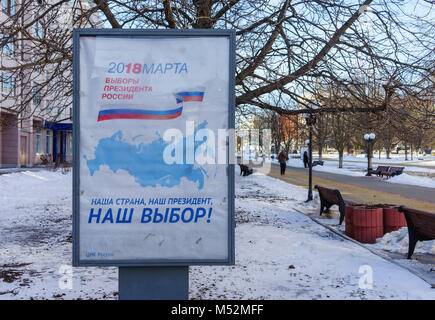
point(36, 64)
point(284, 48)
point(321, 132)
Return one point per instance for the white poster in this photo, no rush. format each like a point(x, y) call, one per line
point(153, 183)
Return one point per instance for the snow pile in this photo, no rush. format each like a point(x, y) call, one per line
point(397, 242)
point(413, 180)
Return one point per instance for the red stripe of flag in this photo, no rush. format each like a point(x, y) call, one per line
point(137, 116)
point(192, 98)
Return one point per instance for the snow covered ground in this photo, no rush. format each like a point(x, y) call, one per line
point(280, 253)
point(35, 241)
point(394, 158)
point(421, 175)
point(394, 245)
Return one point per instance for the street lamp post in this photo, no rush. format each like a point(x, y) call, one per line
point(310, 120)
point(310, 169)
point(369, 138)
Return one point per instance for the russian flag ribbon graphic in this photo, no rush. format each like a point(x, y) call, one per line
point(187, 96)
point(141, 114)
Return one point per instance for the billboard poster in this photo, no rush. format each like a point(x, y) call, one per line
point(152, 179)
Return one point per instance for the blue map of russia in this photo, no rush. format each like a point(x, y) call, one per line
point(145, 162)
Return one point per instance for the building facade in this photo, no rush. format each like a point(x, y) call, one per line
point(35, 128)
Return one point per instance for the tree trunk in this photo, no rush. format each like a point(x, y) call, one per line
point(340, 158)
point(320, 151)
point(203, 14)
point(406, 151)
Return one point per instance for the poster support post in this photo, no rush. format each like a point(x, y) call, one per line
point(154, 283)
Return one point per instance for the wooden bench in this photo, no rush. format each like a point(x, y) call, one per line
point(317, 162)
point(330, 197)
point(245, 170)
point(421, 226)
point(380, 170)
point(394, 171)
point(387, 171)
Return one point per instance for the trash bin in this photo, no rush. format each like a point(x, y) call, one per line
point(348, 216)
point(367, 223)
point(393, 219)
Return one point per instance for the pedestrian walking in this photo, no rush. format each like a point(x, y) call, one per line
point(282, 158)
point(305, 159)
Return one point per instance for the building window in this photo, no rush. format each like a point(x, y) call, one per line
point(9, 7)
point(36, 95)
point(37, 63)
point(38, 30)
point(48, 142)
point(63, 137)
point(52, 110)
point(38, 141)
point(8, 84)
point(70, 143)
point(9, 47)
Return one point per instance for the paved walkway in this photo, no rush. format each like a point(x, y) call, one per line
point(362, 189)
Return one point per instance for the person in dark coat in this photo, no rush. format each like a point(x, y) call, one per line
point(306, 159)
point(282, 158)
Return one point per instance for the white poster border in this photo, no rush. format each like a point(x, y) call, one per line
point(132, 33)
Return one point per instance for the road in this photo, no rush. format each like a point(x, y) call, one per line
point(362, 189)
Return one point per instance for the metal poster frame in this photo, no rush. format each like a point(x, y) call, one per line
point(137, 34)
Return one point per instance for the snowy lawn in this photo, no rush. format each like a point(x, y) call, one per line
point(35, 241)
point(394, 245)
point(419, 176)
point(280, 253)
